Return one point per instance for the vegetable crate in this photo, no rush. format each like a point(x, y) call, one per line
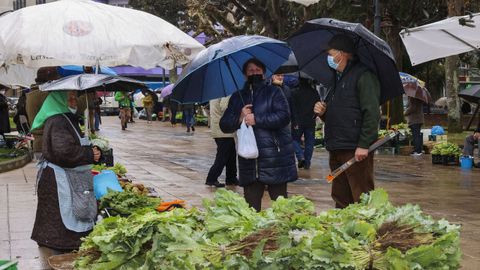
point(448, 160)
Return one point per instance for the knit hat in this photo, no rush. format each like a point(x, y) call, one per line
point(343, 43)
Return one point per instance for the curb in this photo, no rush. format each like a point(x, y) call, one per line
point(15, 163)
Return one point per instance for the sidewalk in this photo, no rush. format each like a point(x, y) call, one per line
point(176, 165)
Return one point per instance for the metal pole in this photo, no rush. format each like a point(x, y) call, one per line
point(377, 19)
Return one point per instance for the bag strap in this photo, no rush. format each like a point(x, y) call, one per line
point(71, 124)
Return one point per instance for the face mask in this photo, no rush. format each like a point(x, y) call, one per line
point(73, 110)
point(255, 79)
point(331, 61)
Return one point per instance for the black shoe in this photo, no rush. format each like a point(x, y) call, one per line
point(123, 128)
point(216, 184)
point(193, 129)
point(232, 182)
point(306, 166)
point(301, 164)
point(188, 130)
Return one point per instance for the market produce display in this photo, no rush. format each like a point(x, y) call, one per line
point(127, 202)
point(372, 234)
point(118, 168)
point(447, 149)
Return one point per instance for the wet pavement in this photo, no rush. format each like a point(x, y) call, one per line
point(176, 164)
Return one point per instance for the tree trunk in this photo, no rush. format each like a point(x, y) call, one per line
point(451, 79)
point(454, 116)
point(396, 105)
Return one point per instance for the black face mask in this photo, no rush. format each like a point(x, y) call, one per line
point(255, 79)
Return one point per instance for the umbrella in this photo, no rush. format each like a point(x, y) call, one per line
point(217, 71)
point(85, 82)
point(472, 94)
point(444, 38)
point(87, 33)
point(415, 88)
point(289, 66)
point(310, 45)
point(167, 90)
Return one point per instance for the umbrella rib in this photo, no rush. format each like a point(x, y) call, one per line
point(459, 39)
point(221, 74)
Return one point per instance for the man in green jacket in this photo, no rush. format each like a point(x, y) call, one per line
point(124, 103)
point(351, 114)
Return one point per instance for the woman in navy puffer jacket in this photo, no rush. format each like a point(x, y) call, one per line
point(266, 109)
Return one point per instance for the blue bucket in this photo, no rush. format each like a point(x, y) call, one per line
point(466, 162)
point(104, 181)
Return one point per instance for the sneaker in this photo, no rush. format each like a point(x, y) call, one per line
point(301, 164)
point(415, 154)
point(215, 184)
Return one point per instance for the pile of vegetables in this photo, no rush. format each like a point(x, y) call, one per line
point(127, 202)
point(447, 149)
point(135, 188)
point(372, 234)
point(118, 168)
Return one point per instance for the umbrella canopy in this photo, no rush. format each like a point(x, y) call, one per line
point(84, 82)
point(471, 94)
point(217, 71)
point(167, 90)
point(289, 66)
point(83, 32)
point(69, 70)
point(444, 38)
point(415, 88)
point(310, 45)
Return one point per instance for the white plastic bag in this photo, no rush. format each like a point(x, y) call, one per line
point(246, 145)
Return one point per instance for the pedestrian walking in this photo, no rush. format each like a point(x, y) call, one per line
point(351, 114)
point(173, 109)
point(415, 119)
point(189, 116)
point(166, 109)
point(226, 156)
point(97, 113)
point(148, 105)
point(264, 108)
point(124, 103)
point(65, 212)
point(304, 98)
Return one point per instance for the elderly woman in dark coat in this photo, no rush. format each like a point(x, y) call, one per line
point(265, 108)
point(58, 224)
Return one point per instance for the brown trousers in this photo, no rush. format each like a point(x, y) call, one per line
point(125, 115)
point(357, 179)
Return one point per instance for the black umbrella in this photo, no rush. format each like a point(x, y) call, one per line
point(310, 45)
point(472, 94)
point(91, 82)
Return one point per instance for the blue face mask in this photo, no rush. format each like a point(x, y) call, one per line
point(331, 62)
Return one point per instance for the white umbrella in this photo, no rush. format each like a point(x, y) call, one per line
point(305, 2)
point(82, 32)
point(444, 38)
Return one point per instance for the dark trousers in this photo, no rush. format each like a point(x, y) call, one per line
point(253, 193)
point(173, 114)
point(309, 136)
point(357, 179)
point(417, 139)
point(226, 158)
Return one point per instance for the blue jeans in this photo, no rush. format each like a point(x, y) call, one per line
point(309, 136)
point(97, 121)
point(188, 117)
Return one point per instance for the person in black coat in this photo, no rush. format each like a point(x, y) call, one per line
point(266, 109)
point(4, 116)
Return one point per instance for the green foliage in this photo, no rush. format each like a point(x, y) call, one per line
point(127, 202)
point(447, 149)
point(118, 168)
point(230, 235)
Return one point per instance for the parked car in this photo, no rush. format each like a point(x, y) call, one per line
point(109, 105)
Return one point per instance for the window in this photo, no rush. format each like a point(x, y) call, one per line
point(18, 4)
point(39, 2)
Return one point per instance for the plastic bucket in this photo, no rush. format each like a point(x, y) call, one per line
point(466, 162)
